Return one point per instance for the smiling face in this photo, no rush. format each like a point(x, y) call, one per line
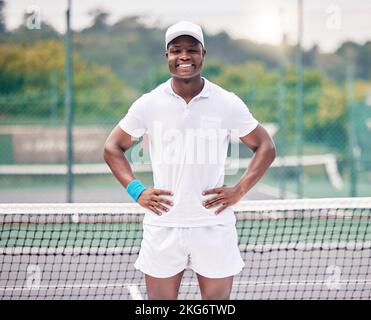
point(185, 56)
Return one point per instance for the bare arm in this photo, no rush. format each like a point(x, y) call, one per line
point(116, 144)
point(264, 150)
point(260, 142)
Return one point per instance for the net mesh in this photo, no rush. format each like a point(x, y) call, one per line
point(292, 249)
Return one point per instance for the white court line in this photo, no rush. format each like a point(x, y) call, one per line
point(68, 286)
point(132, 288)
point(291, 283)
point(305, 282)
point(135, 293)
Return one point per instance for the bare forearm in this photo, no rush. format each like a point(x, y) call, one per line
point(262, 159)
point(119, 165)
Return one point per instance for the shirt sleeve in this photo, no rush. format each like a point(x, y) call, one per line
point(134, 121)
point(242, 121)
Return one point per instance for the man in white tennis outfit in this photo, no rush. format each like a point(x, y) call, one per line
point(189, 220)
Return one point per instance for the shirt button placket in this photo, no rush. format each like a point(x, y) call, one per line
point(186, 110)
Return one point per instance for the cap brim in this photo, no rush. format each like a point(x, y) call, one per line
point(183, 33)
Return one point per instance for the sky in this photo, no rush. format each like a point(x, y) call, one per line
point(325, 22)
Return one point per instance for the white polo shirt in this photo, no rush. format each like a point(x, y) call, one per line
point(188, 146)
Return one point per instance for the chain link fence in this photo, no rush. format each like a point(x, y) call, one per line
point(333, 154)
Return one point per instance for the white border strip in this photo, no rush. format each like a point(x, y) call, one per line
point(346, 245)
point(304, 246)
point(134, 208)
point(134, 291)
point(304, 204)
point(71, 208)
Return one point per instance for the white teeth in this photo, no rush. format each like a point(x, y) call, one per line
point(185, 65)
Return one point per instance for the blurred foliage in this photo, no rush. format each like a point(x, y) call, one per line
point(114, 63)
point(33, 80)
point(324, 100)
point(134, 49)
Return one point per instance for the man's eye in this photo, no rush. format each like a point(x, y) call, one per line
point(175, 51)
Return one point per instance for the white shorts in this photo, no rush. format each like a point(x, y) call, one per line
point(210, 251)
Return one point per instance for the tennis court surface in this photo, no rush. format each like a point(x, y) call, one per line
point(293, 249)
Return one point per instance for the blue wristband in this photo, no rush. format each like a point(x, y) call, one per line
point(135, 189)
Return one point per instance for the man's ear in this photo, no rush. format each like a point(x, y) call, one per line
point(204, 51)
point(166, 53)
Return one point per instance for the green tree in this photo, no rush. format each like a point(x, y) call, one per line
point(324, 100)
point(99, 20)
point(26, 84)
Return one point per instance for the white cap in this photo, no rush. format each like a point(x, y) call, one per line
point(184, 28)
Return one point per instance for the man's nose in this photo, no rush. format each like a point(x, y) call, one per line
point(184, 55)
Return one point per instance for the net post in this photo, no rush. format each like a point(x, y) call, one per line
point(299, 102)
point(69, 103)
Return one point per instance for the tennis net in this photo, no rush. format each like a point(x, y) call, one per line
point(293, 249)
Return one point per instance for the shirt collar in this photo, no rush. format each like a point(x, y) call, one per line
point(205, 92)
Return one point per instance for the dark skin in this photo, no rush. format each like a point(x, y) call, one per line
point(185, 57)
point(187, 83)
point(117, 143)
point(264, 153)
